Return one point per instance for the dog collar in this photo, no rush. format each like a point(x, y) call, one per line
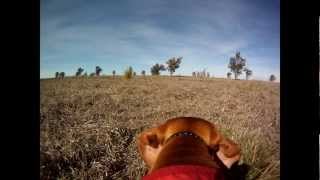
point(184, 133)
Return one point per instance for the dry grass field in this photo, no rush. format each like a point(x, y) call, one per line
point(88, 125)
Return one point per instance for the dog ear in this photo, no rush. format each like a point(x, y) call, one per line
point(228, 147)
point(149, 146)
point(150, 137)
point(228, 151)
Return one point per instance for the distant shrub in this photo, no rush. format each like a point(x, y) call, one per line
point(79, 72)
point(128, 73)
point(57, 75)
point(272, 78)
point(92, 74)
point(98, 70)
point(194, 74)
point(229, 75)
point(143, 72)
point(155, 70)
point(114, 73)
point(61, 75)
point(248, 73)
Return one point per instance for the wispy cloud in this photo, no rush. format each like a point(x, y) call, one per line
point(116, 34)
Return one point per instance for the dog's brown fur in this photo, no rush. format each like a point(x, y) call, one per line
point(157, 153)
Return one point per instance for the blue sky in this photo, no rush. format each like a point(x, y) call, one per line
point(115, 34)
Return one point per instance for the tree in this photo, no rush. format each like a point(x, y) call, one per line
point(229, 75)
point(79, 72)
point(155, 70)
point(272, 78)
point(248, 73)
point(236, 65)
point(114, 73)
point(134, 73)
point(194, 74)
point(143, 72)
point(208, 74)
point(173, 64)
point(57, 75)
point(98, 70)
point(61, 75)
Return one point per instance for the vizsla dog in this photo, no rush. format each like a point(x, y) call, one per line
point(186, 148)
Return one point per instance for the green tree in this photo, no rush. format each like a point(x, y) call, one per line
point(272, 78)
point(229, 75)
point(79, 72)
point(155, 70)
point(236, 65)
point(248, 73)
point(61, 75)
point(113, 73)
point(173, 64)
point(143, 72)
point(57, 75)
point(98, 70)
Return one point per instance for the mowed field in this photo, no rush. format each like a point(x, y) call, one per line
point(88, 125)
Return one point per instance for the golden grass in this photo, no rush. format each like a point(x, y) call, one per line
point(88, 125)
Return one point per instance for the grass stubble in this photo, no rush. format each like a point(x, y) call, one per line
point(88, 125)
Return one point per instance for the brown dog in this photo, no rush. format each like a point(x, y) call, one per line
point(186, 141)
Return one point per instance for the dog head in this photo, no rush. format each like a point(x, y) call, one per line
point(151, 141)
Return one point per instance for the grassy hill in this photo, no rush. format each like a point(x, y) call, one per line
point(88, 125)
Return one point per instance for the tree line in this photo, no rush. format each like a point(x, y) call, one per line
point(237, 66)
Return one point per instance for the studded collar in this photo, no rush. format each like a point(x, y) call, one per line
point(185, 133)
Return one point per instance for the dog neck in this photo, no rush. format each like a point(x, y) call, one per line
point(184, 148)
